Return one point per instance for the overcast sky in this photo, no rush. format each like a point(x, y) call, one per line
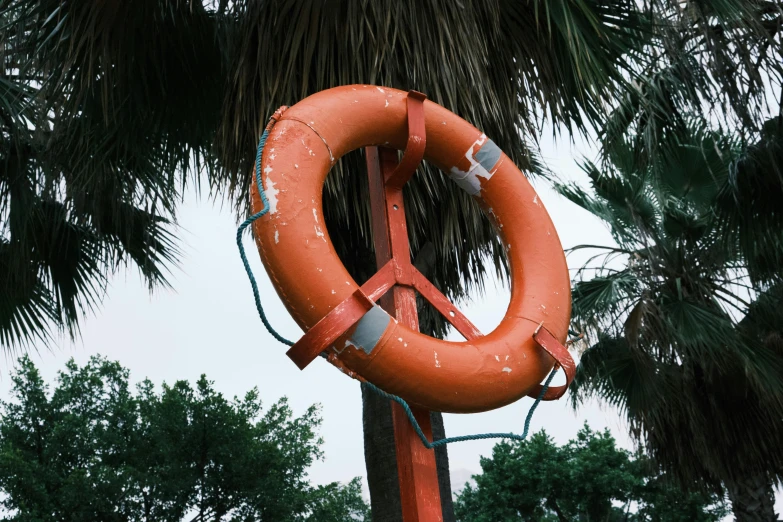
point(208, 324)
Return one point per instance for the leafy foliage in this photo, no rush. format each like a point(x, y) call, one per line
point(91, 449)
point(75, 204)
point(587, 479)
point(684, 313)
point(717, 59)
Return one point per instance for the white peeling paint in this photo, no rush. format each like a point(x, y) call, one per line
point(333, 292)
point(380, 89)
point(387, 103)
point(296, 166)
point(507, 369)
point(535, 200)
point(317, 227)
point(309, 150)
point(271, 193)
point(437, 362)
point(497, 358)
point(347, 344)
point(277, 236)
point(399, 339)
point(506, 359)
point(469, 181)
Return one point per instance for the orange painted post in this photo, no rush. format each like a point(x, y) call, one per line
point(418, 477)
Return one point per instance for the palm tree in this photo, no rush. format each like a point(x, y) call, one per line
point(118, 106)
point(685, 311)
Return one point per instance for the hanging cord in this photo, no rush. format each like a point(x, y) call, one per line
point(246, 223)
point(399, 400)
point(463, 438)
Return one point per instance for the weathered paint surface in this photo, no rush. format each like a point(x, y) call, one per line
point(311, 280)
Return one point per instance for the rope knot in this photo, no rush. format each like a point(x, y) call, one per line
point(276, 117)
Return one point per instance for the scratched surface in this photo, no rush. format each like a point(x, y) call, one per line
point(479, 374)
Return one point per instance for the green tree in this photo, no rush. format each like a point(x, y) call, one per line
point(684, 313)
point(110, 110)
point(588, 479)
point(93, 450)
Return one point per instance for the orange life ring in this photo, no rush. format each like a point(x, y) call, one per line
point(461, 377)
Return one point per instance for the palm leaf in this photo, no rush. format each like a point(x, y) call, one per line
point(685, 343)
point(749, 204)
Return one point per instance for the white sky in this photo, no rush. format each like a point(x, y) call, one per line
point(208, 324)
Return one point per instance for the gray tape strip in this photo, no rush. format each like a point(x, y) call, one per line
point(370, 329)
point(481, 164)
point(488, 155)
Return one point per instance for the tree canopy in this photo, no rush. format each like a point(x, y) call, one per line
point(683, 314)
point(93, 449)
point(588, 479)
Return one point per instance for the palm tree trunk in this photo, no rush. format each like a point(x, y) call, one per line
point(752, 499)
point(552, 504)
point(442, 463)
point(381, 460)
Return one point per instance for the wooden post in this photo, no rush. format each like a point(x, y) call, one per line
point(418, 476)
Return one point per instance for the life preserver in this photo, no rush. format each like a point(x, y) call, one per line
point(471, 376)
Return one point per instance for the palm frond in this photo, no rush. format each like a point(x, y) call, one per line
point(26, 307)
point(715, 58)
point(534, 59)
point(603, 295)
point(750, 207)
point(133, 102)
point(685, 339)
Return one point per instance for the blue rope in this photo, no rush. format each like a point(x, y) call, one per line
point(462, 438)
point(242, 254)
point(399, 400)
